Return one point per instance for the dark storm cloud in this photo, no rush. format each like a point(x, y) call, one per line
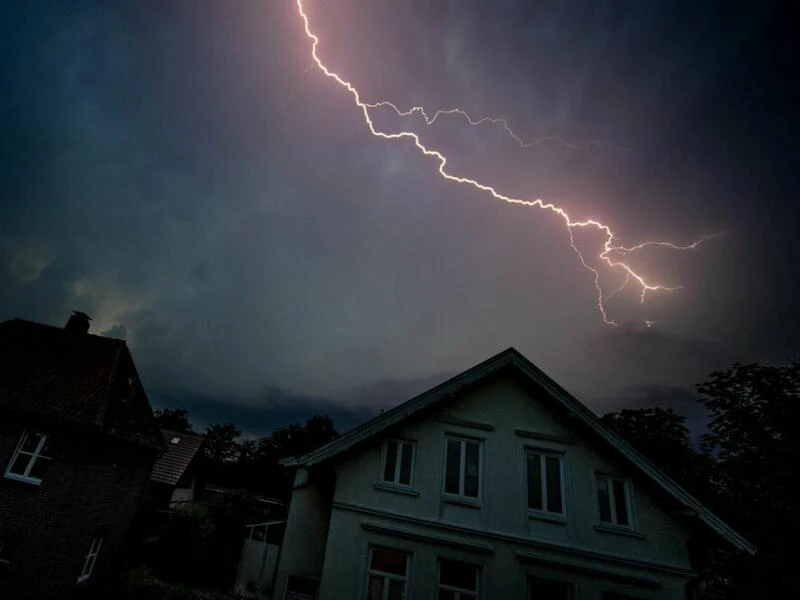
point(649, 354)
point(178, 171)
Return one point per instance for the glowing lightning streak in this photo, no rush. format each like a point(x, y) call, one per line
point(608, 245)
point(475, 122)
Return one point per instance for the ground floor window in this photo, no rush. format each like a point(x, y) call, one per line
point(458, 580)
point(388, 574)
point(91, 558)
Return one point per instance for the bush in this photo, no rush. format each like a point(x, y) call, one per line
point(141, 584)
point(186, 543)
point(202, 543)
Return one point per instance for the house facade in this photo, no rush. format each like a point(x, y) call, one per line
point(496, 484)
point(78, 440)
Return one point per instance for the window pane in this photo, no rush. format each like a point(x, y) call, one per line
point(553, 474)
point(45, 451)
point(534, 481)
point(397, 590)
point(391, 461)
point(452, 474)
point(31, 441)
point(472, 467)
point(375, 588)
point(5, 550)
point(458, 574)
point(39, 467)
point(544, 589)
point(603, 500)
point(389, 561)
point(620, 504)
point(447, 595)
point(20, 464)
point(405, 464)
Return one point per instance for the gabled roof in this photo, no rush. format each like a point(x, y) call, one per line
point(181, 450)
point(74, 378)
point(512, 359)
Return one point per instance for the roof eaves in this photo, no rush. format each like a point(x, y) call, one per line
point(112, 376)
point(675, 490)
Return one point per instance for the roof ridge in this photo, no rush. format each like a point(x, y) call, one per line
point(59, 328)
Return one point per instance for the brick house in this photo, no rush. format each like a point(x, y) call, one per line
point(78, 440)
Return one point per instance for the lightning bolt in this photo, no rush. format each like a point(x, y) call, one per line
point(611, 249)
point(480, 121)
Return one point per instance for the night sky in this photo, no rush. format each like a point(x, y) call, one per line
point(185, 174)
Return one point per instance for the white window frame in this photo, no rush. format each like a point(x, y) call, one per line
point(543, 454)
point(387, 577)
point(91, 558)
point(4, 545)
point(397, 463)
point(476, 593)
point(463, 440)
point(628, 491)
point(35, 456)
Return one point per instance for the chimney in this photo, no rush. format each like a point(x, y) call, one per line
point(78, 322)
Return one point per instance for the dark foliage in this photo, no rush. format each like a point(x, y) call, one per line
point(754, 437)
point(174, 419)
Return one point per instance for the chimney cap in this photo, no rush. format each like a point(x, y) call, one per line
point(78, 322)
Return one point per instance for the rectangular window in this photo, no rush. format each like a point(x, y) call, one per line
point(91, 558)
point(547, 589)
point(31, 458)
point(462, 467)
point(458, 580)
point(5, 550)
point(398, 463)
point(545, 482)
point(613, 498)
point(388, 574)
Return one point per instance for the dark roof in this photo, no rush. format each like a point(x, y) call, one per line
point(181, 450)
point(511, 359)
point(74, 378)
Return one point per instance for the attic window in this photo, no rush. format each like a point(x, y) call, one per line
point(5, 550)
point(175, 441)
point(31, 458)
point(614, 501)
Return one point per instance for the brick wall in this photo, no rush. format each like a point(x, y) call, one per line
point(93, 485)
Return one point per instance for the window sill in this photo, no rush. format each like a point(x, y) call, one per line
point(604, 528)
point(387, 487)
point(534, 515)
point(461, 500)
point(23, 479)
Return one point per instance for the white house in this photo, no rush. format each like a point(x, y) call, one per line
point(495, 484)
